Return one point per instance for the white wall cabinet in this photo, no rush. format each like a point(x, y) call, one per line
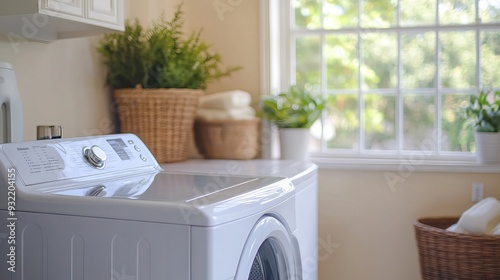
point(70, 7)
point(48, 20)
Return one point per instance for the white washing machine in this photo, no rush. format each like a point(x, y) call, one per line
point(304, 176)
point(101, 208)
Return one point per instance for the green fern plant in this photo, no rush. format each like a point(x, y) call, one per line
point(160, 56)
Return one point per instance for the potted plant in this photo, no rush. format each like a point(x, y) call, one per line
point(157, 74)
point(293, 112)
point(484, 111)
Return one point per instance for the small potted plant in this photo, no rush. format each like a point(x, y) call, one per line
point(484, 112)
point(157, 75)
point(293, 112)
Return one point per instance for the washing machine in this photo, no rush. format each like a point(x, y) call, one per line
point(304, 176)
point(103, 208)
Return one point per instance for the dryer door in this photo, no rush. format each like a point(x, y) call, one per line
point(270, 253)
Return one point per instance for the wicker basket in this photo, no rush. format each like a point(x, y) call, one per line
point(447, 255)
point(162, 118)
point(227, 139)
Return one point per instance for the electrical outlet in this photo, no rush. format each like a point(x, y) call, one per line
point(477, 191)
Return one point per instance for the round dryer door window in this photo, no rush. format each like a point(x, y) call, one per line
point(266, 263)
point(270, 253)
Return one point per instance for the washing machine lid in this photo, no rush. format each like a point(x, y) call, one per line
point(163, 197)
point(296, 171)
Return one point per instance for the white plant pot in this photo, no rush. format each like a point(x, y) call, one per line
point(488, 147)
point(294, 143)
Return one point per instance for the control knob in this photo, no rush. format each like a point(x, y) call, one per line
point(95, 156)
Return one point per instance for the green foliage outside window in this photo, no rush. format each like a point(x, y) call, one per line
point(374, 72)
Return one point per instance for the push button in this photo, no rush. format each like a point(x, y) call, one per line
point(130, 142)
point(143, 157)
point(137, 148)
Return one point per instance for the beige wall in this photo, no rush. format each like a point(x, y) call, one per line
point(60, 83)
point(235, 34)
point(233, 31)
point(63, 83)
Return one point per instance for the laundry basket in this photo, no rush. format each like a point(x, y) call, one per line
point(228, 139)
point(455, 256)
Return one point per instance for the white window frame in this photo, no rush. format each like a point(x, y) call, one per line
point(277, 70)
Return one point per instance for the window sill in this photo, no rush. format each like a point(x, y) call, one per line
point(404, 165)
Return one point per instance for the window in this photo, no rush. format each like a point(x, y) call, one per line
point(398, 72)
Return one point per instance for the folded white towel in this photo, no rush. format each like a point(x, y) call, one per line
point(496, 230)
point(243, 113)
point(482, 217)
point(455, 228)
point(225, 100)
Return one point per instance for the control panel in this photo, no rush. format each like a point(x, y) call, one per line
point(52, 160)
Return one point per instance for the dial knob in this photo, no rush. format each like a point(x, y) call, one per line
point(95, 156)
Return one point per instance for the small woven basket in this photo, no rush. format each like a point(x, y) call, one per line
point(162, 118)
point(228, 139)
point(455, 256)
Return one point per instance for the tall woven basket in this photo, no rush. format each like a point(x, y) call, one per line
point(455, 256)
point(162, 118)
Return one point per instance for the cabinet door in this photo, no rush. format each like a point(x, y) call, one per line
point(104, 10)
point(70, 7)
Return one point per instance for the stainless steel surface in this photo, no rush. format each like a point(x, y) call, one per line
point(56, 131)
point(49, 132)
point(43, 132)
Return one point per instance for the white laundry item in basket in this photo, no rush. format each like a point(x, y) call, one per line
point(482, 217)
point(225, 100)
point(455, 228)
point(243, 113)
point(496, 230)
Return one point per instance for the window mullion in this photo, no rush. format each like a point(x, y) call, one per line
point(399, 100)
point(323, 73)
point(399, 92)
point(415, 29)
point(437, 13)
point(437, 94)
point(476, 5)
point(289, 63)
point(478, 58)
point(437, 85)
point(361, 103)
point(292, 64)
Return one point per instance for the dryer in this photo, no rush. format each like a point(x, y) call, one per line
point(103, 208)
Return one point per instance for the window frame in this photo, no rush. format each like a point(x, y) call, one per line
point(278, 70)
